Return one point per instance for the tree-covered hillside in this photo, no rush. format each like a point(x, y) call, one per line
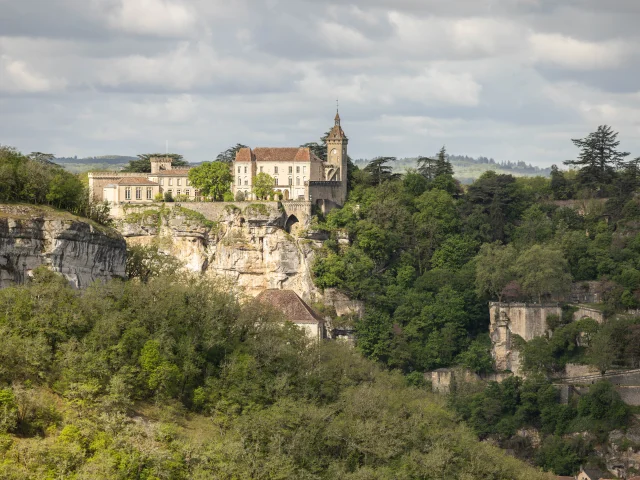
point(175, 379)
point(426, 255)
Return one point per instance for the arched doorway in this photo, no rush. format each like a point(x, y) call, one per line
point(286, 194)
point(291, 221)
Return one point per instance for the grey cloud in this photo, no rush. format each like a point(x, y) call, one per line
point(76, 77)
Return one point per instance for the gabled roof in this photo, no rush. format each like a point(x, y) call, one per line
point(135, 181)
point(290, 304)
point(276, 154)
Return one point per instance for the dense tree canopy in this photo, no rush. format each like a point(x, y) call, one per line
point(212, 179)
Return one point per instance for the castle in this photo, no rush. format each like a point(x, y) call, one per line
point(299, 175)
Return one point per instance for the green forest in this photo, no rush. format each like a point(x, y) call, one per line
point(174, 378)
point(163, 376)
point(426, 255)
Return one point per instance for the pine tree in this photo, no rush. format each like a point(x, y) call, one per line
point(599, 157)
point(443, 166)
point(427, 167)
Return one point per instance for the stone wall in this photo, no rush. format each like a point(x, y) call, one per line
point(525, 320)
point(584, 312)
point(344, 305)
point(528, 320)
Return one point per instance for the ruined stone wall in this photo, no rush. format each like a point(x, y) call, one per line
point(527, 320)
point(507, 319)
point(584, 312)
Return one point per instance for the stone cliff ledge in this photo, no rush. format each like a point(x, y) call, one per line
point(78, 248)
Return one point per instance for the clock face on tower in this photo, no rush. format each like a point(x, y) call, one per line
point(334, 151)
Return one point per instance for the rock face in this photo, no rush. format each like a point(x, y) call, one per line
point(249, 245)
point(78, 249)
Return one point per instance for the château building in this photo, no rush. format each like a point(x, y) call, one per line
point(298, 174)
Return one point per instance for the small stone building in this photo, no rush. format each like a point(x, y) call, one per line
point(295, 310)
point(593, 474)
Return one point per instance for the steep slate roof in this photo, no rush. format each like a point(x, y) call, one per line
point(336, 132)
point(276, 154)
point(135, 181)
point(290, 304)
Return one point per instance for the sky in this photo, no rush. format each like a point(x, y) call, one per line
point(508, 79)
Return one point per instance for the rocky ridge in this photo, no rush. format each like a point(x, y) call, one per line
point(77, 248)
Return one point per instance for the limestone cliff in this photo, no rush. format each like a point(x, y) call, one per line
point(247, 243)
point(77, 248)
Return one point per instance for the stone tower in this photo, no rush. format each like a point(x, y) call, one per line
point(160, 163)
point(337, 158)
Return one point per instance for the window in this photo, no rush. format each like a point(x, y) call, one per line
point(161, 181)
point(297, 180)
point(149, 193)
point(178, 192)
point(138, 193)
point(260, 169)
point(239, 167)
point(127, 193)
point(187, 192)
point(297, 169)
point(239, 181)
point(188, 182)
point(275, 180)
point(246, 182)
point(179, 182)
point(304, 180)
point(290, 169)
point(275, 169)
point(170, 182)
point(290, 181)
point(245, 169)
point(170, 192)
point(304, 169)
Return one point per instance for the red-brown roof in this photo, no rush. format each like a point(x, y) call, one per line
point(290, 304)
point(276, 154)
point(178, 172)
point(135, 181)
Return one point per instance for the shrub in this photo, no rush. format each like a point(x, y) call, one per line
point(240, 197)
point(168, 197)
point(228, 197)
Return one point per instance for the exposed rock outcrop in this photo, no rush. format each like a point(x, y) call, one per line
point(248, 245)
point(77, 248)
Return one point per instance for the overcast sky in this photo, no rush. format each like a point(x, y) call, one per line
point(509, 79)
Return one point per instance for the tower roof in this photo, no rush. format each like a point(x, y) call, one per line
point(336, 132)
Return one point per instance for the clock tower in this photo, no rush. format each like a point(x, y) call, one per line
point(337, 152)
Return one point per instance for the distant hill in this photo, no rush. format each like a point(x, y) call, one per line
point(467, 169)
point(105, 162)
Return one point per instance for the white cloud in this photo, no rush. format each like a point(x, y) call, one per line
point(153, 17)
point(563, 51)
point(17, 76)
point(433, 86)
